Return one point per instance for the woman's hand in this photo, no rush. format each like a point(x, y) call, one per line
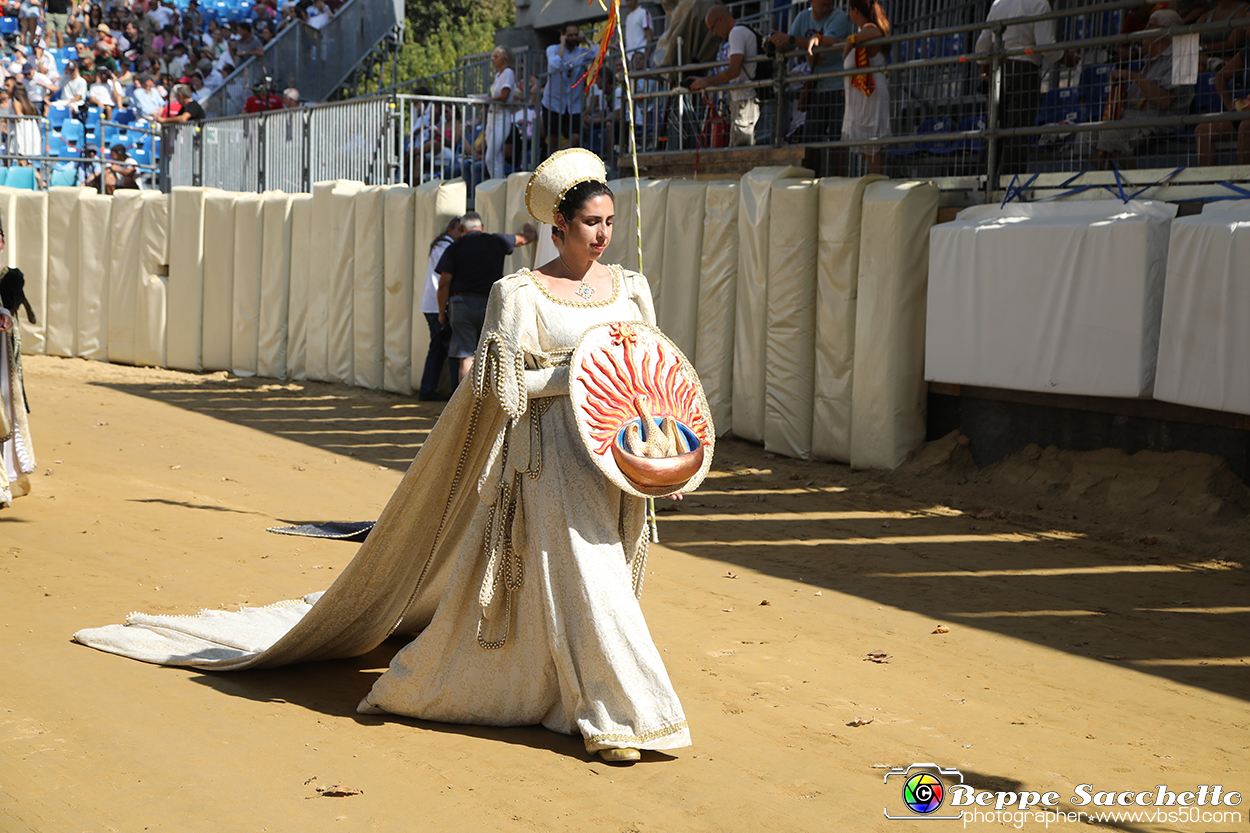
point(6, 323)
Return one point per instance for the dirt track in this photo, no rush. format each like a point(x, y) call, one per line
point(1078, 650)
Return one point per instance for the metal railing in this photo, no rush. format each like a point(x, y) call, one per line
point(28, 145)
point(314, 61)
point(948, 117)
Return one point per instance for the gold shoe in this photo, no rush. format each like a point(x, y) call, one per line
point(620, 756)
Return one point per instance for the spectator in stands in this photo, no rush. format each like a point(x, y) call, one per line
point(165, 40)
point(638, 35)
point(56, 21)
point(1211, 132)
point(1223, 45)
point(177, 63)
point(162, 14)
point(193, 17)
point(467, 271)
point(319, 14)
point(73, 87)
point(90, 169)
point(105, 93)
point(1150, 94)
point(121, 171)
point(147, 98)
point(38, 86)
point(562, 104)
point(105, 44)
point(263, 98)
point(867, 95)
point(1021, 74)
point(290, 98)
point(820, 26)
point(248, 45)
point(740, 46)
point(440, 333)
point(44, 62)
point(6, 109)
point(188, 108)
point(498, 113)
point(31, 15)
point(86, 65)
point(25, 138)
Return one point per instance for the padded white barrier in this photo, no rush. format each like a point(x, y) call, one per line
point(400, 280)
point(837, 281)
point(150, 332)
point(94, 221)
point(623, 248)
point(678, 309)
point(751, 307)
point(125, 248)
point(8, 209)
point(790, 334)
point(516, 215)
point(340, 318)
point(1055, 297)
point(718, 277)
point(323, 259)
point(436, 203)
point(28, 251)
point(185, 312)
point(491, 201)
point(301, 266)
point(275, 286)
point(217, 329)
point(62, 329)
point(888, 395)
point(249, 230)
point(1204, 340)
point(369, 289)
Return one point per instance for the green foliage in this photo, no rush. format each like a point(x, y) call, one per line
point(441, 31)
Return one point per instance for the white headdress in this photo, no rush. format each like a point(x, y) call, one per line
point(559, 174)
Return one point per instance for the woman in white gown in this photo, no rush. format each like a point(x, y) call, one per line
point(522, 576)
point(17, 455)
point(867, 113)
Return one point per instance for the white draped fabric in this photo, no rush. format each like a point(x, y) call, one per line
point(521, 575)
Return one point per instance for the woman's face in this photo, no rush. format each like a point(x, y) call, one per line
point(497, 61)
point(858, 19)
point(590, 231)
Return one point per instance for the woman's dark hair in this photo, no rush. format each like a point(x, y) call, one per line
point(579, 195)
point(872, 10)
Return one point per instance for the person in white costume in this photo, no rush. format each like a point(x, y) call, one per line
point(17, 454)
point(521, 575)
point(867, 113)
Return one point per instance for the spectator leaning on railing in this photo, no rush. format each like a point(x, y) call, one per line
point(740, 46)
point(1150, 94)
point(820, 26)
point(1021, 74)
point(1208, 134)
point(189, 108)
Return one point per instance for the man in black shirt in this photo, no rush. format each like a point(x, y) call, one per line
point(467, 271)
point(191, 109)
point(58, 20)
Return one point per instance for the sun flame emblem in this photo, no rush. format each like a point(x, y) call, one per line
point(620, 388)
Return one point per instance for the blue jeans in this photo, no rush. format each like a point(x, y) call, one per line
point(440, 338)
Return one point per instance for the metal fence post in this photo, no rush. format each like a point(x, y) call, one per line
point(261, 128)
point(306, 151)
point(991, 116)
point(197, 156)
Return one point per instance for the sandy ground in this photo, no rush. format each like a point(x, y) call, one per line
point(1096, 608)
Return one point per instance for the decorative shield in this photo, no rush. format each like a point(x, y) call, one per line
point(640, 410)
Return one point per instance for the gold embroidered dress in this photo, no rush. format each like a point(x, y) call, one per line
point(521, 575)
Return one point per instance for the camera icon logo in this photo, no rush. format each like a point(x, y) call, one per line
point(923, 790)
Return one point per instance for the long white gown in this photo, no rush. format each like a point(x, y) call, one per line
point(522, 576)
point(866, 116)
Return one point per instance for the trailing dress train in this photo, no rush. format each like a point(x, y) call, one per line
point(521, 574)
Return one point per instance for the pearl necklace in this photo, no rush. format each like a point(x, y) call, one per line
point(584, 290)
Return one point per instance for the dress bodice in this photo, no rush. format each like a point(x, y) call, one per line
point(559, 323)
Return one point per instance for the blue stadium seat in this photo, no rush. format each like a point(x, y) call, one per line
point(69, 53)
point(968, 145)
point(94, 117)
point(61, 176)
point(4, 174)
point(1095, 84)
point(21, 177)
point(57, 145)
point(1206, 99)
point(8, 25)
point(942, 125)
point(73, 131)
point(141, 154)
point(124, 115)
point(1062, 104)
point(57, 114)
